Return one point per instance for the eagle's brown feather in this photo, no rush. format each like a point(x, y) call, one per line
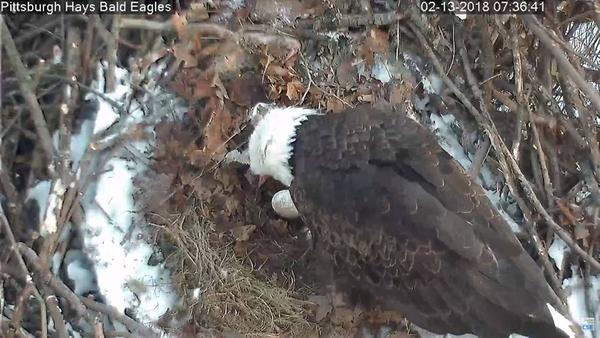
point(401, 219)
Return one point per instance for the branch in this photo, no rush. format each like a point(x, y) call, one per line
point(57, 317)
point(5, 226)
point(113, 313)
point(24, 84)
point(501, 148)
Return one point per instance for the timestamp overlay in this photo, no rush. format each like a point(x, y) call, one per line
point(483, 7)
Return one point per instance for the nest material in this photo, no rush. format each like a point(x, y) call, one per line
point(523, 89)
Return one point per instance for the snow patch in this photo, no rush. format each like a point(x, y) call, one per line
point(561, 322)
point(576, 298)
point(557, 250)
point(40, 193)
point(115, 238)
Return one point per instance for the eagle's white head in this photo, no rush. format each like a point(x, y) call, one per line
point(271, 142)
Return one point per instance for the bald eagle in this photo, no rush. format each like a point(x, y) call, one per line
point(400, 217)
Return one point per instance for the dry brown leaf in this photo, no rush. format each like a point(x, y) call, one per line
point(180, 24)
point(204, 187)
point(218, 84)
point(378, 41)
point(240, 248)
point(294, 90)
point(399, 93)
point(242, 233)
point(214, 138)
point(156, 189)
point(345, 317)
point(183, 53)
point(246, 90)
point(197, 12)
point(198, 157)
point(346, 74)
point(203, 89)
point(334, 105)
point(366, 98)
point(323, 306)
point(581, 232)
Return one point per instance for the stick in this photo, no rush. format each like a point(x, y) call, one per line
point(112, 312)
point(500, 147)
point(24, 84)
point(57, 317)
point(14, 248)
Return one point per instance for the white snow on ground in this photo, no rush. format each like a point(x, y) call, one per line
point(40, 193)
point(561, 322)
point(121, 254)
point(576, 298)
point(115, 237)
point(557, 250)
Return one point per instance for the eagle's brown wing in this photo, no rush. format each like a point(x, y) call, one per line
point(396, 212)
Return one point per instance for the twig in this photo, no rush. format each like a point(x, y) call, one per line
point(98, 330)
point(57, 317)
point(532, 22)
point(112, 312)
point(113, 103)
point(531, 228)
point(520, 108)
point(17, 317)
point(523, 106)
point(263, 38)
point(24, 84)
point(479, 158)
point(111, 52)
point(14, 248)
point(22, 331)
point(55, 284)
point(310, 80)
point(501, 148)
point(14, 207)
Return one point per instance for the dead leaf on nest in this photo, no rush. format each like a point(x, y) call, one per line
point(203, 89)
point(378, 41)
point(399, 93)
point(294, 90)
point(323, 306)
point(334, 105)
point(197, 12)
point(180, 24)
point(204, 187)
point(138, 132)
point(280, 226)
point(214, 137)
point(156, 189)
point(240, 248)
point(581, 232)
point(346, 74)
point(242, 233)
point(346, 317)
point(182, 52)
point(246, 90)
point(218, 84)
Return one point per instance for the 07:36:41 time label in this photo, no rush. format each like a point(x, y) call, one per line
point(483, 7)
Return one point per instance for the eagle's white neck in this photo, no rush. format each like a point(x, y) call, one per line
point(271, 143)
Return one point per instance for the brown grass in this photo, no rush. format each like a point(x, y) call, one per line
point(221, 290)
